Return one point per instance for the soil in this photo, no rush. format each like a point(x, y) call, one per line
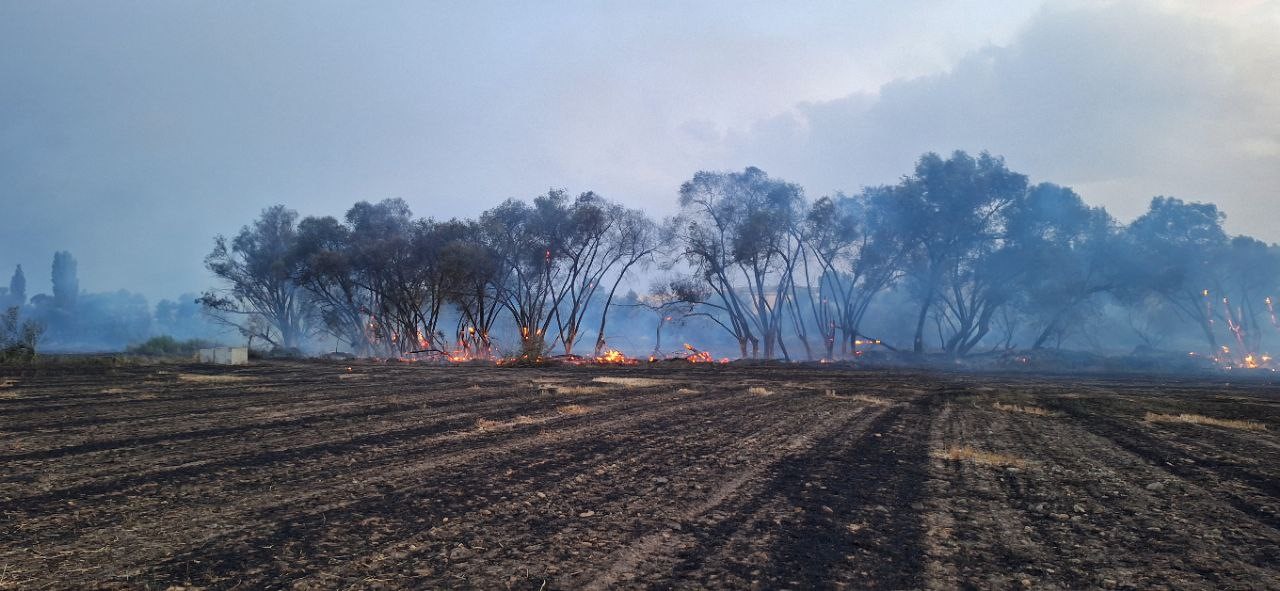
point(293, 475)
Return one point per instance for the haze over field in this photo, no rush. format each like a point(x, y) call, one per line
point(131, 133)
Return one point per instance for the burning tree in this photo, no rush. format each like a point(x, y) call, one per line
point(1174, 248)
point(526, 240)
point(475, 273)
point(736, 231)
point(601, 242)
point(1248, 273)
point(851, 254)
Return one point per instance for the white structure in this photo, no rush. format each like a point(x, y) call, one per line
point(225, 355)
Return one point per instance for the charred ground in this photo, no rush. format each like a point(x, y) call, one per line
point(300, 475)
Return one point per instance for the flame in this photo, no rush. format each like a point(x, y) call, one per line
point(696, 356)
point(616, 357)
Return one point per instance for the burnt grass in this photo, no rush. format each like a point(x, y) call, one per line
point(388, 476)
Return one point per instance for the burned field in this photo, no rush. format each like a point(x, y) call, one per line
point(313, 476)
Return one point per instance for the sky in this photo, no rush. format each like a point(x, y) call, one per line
point(131, 133)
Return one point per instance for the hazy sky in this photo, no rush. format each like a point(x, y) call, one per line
point(132, 132)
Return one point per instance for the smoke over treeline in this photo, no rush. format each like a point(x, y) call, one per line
point(961, 256)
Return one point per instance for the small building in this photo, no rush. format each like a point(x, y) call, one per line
point(224, 355)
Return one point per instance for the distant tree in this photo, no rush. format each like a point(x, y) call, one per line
point(110, 320)
point(183, 318)
point(260, 297)
point(18, 288)
point(66, 285)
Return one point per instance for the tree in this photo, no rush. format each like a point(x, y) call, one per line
point(634, 238)
point(18, 339)
point(591, 244)
point(952, 212)
point(1175, 247)
point(18, 288)
point(475, 275)
point(528, 240)
point(261, 298)
point(736, 231)
point(851, 254)
point(1248, 273)
point(583, 252)
point(675, 301)
point(66, 285)
point(183, 318)
point(1068, 254)
point(58, 312)
point(327, 272)
point(398, 259)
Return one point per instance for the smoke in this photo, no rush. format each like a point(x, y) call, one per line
point(1121, 101)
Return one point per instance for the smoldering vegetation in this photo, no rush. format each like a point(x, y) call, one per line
point(962, 261)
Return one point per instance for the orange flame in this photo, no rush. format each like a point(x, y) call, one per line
point(616, 357)
point(696, 356)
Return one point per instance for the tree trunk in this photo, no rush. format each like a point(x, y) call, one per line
point(918, 342)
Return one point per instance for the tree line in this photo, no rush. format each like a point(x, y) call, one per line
point(978, 257)
point(74, 319)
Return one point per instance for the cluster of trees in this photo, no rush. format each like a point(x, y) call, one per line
point(971, 253)
point(384, 282)
point(71, 319)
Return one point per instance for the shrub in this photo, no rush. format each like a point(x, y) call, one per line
point(167, 346)
point(18, 339)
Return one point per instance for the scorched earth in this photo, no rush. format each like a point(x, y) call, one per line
point(320, 476)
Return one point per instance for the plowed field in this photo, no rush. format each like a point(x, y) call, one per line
point(316, 476)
